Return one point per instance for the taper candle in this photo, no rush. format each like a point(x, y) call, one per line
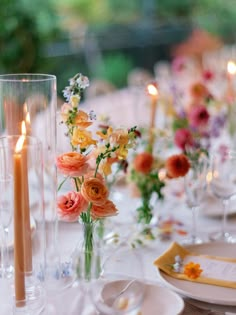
point(26, 209)
point(231, 71)
point(18, 225)
point(153, 93)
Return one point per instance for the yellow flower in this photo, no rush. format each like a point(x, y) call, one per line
point(122, 153)
point(120, 137)
point(82, 138)
point(105, 167)
point(74, 100)
point(106, 135)
point(192, 270)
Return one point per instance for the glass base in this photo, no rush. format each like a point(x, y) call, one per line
point(227, 237)
point(7, 272)
point(35, 298)
point(192, 240)
point(58, 278)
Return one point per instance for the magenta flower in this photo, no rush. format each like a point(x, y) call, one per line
point(198, 116)
point(183, 137)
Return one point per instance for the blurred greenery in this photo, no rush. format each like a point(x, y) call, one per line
point(25, 28)
point(49, 35)
point(115, 68)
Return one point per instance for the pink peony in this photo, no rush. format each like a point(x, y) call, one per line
point(107, 209)
point(70, 206)
point(183, 138)
point(198, 116)
point(72, 164)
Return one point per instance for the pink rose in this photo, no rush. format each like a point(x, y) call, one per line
point(198, 116)
point(107, 209)
point(72, 164)
point(183, 138)
point(71, 205)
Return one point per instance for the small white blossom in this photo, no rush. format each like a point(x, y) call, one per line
point(82, 81)
point(178, 263)
point(92, 115)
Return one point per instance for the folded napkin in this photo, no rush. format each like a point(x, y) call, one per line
point(216, 270)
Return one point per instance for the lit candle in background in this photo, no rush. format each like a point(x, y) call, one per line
point(18, 225)
point(153, 93)
point(231, 71)
point(26, 209)
point(28, 123)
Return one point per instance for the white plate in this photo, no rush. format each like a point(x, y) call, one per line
point(157, 300)
point(205, 292)
point(161, 301)
point(10, 242)
point(212, 207)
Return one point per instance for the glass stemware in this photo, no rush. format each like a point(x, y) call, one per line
point(6, 211)
point(223, 186)
point(195, 189)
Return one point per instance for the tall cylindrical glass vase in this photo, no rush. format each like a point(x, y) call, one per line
point(33, 98)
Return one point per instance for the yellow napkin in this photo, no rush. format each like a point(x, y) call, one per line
point(217, 270)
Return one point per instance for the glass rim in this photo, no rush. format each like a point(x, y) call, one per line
point(33, 141)
point(29, 77)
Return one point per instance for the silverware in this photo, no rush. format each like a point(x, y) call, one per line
point(110, 301)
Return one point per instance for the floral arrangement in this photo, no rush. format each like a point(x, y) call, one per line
point(201, 120)
point(149, 174)
point(88, 164)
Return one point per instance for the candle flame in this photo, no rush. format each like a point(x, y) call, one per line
point(19, 144)
point(27, 118)
point(23, 128)
point(231, 67)
point(209, 177)
point(152, 89)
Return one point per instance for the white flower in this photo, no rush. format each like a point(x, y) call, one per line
point(82, 81)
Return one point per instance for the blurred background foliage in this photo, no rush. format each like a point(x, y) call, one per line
point(102, 38)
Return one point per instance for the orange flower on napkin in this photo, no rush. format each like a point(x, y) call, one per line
point(192, 270)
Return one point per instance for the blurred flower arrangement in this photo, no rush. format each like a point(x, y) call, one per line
point(87, 165)
point(196, 124)
point(149, 174)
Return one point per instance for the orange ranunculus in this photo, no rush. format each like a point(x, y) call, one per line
point(94, 190)
point(83, 138)
point(105, 210)
point(177, 165)
point(192, 270)
point(71, 205)
point(91, 174)
point(72, 164)
point(143, 162)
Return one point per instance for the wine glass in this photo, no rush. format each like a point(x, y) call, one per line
point(195, 185)
point(6, 211)
point(223, 186)
point(119, 290)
